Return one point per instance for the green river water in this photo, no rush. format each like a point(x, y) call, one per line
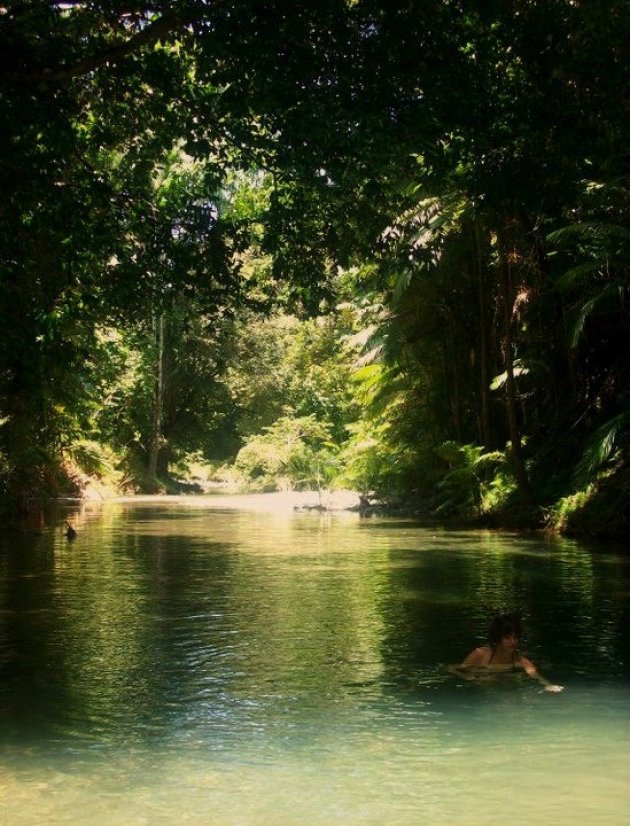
point(215, 661)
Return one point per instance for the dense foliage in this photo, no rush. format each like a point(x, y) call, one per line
point(456, 173)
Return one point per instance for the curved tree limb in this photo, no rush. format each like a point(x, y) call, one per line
point(166, 25)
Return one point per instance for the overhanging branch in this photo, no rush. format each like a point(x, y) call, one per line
point(159, 29)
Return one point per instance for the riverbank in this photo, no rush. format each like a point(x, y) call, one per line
point(600, 514)
point(279, 501)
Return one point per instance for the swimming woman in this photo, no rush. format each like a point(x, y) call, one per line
point(502, 655)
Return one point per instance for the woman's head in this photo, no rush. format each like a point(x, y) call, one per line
point(504, 625)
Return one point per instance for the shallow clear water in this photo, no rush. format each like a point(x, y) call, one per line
point(182, 663)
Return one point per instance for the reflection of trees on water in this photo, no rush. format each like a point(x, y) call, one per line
point(440, 608)
point(312, 625)
point(153, 623)
point(157, 620)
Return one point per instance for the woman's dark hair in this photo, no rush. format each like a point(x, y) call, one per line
point(502, 625)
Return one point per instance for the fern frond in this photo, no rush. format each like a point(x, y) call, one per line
point(493, 457)
point(589, 232)
point(575, 276)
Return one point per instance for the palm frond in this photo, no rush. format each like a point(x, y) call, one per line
point(578, 317)
point(589, 232)
point(401, 285)
point(369, 357)
point(575, 276)
point(577, 320)
point(600, 449)
point(499, 381)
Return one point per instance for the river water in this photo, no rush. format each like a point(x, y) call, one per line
point(203, 661)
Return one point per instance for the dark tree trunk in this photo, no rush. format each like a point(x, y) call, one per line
point(487, 433)
point(507, 304)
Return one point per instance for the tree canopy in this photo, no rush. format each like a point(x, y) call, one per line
point(456, 172)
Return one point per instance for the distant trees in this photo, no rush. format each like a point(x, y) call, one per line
point(294, 401)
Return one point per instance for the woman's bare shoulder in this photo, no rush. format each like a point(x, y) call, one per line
point(479, 656)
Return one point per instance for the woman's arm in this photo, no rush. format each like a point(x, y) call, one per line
point(531, 671)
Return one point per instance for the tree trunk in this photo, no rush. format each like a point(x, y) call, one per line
point(487, 434)
point(158, 400)
point(457, 405)
point(507, 303)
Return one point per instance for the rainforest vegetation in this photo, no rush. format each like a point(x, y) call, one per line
point(380, 244)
